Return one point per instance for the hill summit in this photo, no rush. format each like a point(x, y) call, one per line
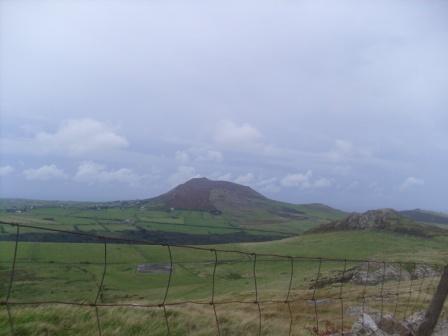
point(208, 195)
point(381, 220)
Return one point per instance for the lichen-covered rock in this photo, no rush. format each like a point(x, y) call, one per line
point(425, 271)
point(366, 326)
point(416, 319)
point(394, 327)
point(375, 273)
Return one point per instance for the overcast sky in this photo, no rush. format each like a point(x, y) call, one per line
point(338, 102)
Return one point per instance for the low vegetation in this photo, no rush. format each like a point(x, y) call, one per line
point(61, 267)
point(197, 212)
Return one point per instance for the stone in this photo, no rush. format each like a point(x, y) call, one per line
point(366, 326)
point(392, 326)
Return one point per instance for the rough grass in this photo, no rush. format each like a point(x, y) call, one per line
point(234, 318)
point(119, 219)
point(72, 272)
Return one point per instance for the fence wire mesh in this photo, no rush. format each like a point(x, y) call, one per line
point(304, 295)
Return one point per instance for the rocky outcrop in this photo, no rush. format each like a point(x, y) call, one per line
point(366, 326)
point(372, 219)
point(374, 273)
point(381, 220)
point(372, 325)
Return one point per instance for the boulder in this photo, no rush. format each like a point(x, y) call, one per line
point(366, 326)
point(392, 326)
point(416, 319)
point(375, 273)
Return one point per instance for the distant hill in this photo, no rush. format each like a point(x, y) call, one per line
point(23, 204)
point(240, 202)
point(426, 216)
point(207, 195)
point(198, 211)
point(381, 220)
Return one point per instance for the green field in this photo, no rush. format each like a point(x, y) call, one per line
point(72, 272)
point(58, 276)
point(192, 225)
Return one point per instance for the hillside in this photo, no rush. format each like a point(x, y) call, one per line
point(426, 216)
point(206, 195)
point(223, 197)
point(197, 212)
point(387, 220)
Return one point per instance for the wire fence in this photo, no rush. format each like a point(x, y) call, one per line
point(322, 296)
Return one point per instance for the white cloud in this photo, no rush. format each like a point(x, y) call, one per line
point(268, 185)
point(411, 182)
point(222, 177)
point(80, 136)
point(182, 157)
point(199, 154)
point(210, 155)
point(344, 150)
point(305, 180)
point(45, 173)
point(297, 180)
point(353, 185)
point(230, 134)
point(245, 179)
point(182, 174)
point(91, 172)
point(6, 170)
point(342, 170)
point(376, 188)
point(247, 138)
point(322, 183)
point(267, 181)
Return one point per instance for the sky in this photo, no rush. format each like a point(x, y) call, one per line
point(338, 102)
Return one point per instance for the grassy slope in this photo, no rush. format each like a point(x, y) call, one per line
point(55, 271)
point(78, 266)
point(116, 219)
point(427, 216)
point(361, 244)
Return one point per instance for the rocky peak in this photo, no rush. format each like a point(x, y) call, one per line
point(369, 219)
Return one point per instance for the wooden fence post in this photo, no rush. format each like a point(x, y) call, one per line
point(435, 308)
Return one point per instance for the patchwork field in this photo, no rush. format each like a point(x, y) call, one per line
point(185, 226)
point(240, 267)
point(139, 275)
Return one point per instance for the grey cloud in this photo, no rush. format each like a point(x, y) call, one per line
point(353, 91)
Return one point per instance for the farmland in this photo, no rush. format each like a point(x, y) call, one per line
point(71, 272)
point(186, 226)
point(234, 261)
